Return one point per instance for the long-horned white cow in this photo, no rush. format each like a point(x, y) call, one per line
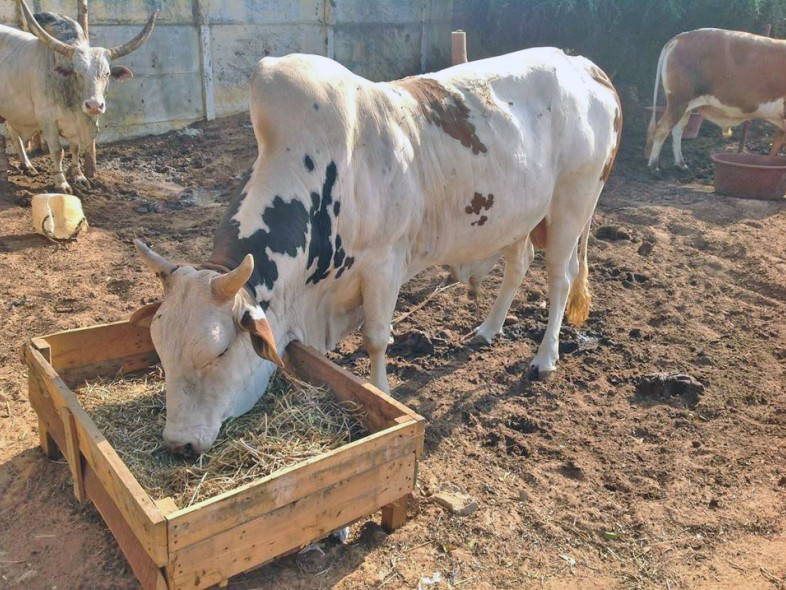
point(729, 77)
point(359, 186)
point(57, 88)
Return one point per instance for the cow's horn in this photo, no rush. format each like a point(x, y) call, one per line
point(225, 287)
point(136, 42)
point(155, 262)
point(45, 38)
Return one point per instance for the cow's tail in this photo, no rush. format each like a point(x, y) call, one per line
point(658, 74)
point(580, 297)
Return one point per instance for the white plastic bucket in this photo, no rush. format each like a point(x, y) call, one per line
point(58, 217)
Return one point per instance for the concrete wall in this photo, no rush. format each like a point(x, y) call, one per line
point(197, 63)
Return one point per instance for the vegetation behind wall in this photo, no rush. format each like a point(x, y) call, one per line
point(624, 37)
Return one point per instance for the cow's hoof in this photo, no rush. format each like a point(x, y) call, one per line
point(63, 188)
point(82, 183)
point(684, 167)
point(535, 373)
point(483, 337)
point(29, 170)
point(655, 171)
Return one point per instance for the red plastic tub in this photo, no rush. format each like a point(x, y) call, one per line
point(750, 176)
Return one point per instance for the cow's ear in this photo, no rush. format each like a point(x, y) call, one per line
point(143, 317)
point(121, 73)
point(64, 70)
point(261, 338)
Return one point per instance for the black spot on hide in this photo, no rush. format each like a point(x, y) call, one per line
point(320, 248)
point(288, 228)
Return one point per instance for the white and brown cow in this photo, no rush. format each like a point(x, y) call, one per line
point(57, 87)
point(358, 187)
point(729, 77)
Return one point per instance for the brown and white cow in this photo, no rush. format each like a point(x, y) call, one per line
point(57, 88)
point(729, 77)
point(358, 187)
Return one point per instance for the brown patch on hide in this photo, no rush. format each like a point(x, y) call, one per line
point(478, 203)
point(538, 235)
point(602, 78)
point(483, 219)
point(447, 111)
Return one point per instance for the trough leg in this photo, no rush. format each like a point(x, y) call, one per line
point(394, 515)
point(46, 441)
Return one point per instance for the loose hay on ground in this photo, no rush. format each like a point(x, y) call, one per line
point(293, 421)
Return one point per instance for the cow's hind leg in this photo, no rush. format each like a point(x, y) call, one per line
point(566, 264)
point(676, 141)
point(379, 288)
point(518, 257)
point(21, 152)
point(670, 118)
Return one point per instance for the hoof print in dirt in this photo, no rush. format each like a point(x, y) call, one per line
point(412, 343)
point(668, 386)
point(612, 233)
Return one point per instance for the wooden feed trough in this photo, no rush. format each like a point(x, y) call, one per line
point(206, 543)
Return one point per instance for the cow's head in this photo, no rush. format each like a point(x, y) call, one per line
point(209, 334)
point(89, 65)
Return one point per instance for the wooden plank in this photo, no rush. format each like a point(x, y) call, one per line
point(72, 453)
point(382, 410)
point(145, 569)
point(108, 368)
point(47, 414)
point(394, 515)
point(45, 439)
point(291, 526)
point(232, 509)
point(144, 518)
point(166, 505)
point(93, 345)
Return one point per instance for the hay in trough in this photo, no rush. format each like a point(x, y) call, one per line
point(292, 422)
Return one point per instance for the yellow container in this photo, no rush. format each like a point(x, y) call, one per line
point(58, 217)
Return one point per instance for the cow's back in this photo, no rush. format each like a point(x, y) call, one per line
point(738, 69)
point(452, 166)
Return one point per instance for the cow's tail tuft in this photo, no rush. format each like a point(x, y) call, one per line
point(580, 297)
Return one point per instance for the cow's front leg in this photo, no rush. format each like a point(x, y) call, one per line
point(52, 137)
point(379, 291)
point(75, 174)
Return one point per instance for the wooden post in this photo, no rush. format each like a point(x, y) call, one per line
point(394, 515)
point(206, 55)
point(458, 47)
point(74, 456)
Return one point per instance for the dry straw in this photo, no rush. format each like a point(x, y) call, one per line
point(294, 421)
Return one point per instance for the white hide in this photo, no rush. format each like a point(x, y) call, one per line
point(550, 130)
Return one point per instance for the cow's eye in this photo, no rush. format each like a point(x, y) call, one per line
point(223, 353)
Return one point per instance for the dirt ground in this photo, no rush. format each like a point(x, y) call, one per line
point(585, 481)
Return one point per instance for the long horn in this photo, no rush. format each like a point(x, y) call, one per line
point(225, 287)
point(45, 38)
point(136, 42)
point(155, 262)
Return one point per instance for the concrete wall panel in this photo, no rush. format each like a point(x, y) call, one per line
point(378, 39)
